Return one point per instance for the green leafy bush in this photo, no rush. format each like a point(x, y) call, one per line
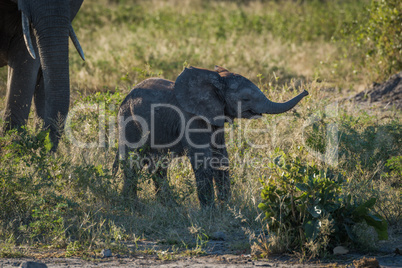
point(299, 198)
point(25, 172)
point(35, 204)
point(395, 165)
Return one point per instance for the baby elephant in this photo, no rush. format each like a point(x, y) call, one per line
point(161, 118)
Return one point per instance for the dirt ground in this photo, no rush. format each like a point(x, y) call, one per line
point(203, 261)
point(390, 260)
point(385, 95)
point(217, 254)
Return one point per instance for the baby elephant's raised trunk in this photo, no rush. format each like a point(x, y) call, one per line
point(277, 108)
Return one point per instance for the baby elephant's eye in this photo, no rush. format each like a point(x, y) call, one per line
point(246, 99)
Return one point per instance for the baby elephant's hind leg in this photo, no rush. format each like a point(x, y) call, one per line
point(130, 186)
point(222, 183)
point(162, 187)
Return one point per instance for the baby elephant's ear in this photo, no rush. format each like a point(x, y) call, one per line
point(220, 69)
point(200, 92)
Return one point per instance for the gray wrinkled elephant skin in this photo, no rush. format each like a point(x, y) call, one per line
point(162, 119)
point(34, 44)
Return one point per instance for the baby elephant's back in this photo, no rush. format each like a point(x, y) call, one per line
point(150, 111)
point(145, 95)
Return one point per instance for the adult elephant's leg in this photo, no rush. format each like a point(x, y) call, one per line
point(22, 75)
point(200, 161)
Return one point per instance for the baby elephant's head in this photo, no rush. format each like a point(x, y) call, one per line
point(220, 95)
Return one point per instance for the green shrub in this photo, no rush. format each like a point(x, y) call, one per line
point(395, 165)
point(25, 172)
point(36, 206)
point(299, 198)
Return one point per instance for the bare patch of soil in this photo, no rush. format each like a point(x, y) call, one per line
point(216, 253)
point(386, 95)
point(207, 261)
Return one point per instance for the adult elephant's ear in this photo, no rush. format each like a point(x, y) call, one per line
point(200, 92)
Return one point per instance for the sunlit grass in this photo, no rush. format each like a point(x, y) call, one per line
point(252, 39)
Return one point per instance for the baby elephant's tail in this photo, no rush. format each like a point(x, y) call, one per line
point(116, 163)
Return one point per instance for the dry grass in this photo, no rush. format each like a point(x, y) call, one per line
point(166, 37)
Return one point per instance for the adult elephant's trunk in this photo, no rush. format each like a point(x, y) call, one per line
point(277, 108)
point(51, 24)
point(52, 32)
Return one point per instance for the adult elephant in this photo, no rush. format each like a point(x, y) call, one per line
point(34, 44)
point(160, 119)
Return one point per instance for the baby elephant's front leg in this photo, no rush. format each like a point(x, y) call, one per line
point(220, 165)
point(205, 187)
point(204, 179)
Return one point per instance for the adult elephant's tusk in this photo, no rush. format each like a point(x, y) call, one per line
point(76, 43)
point(27, 35)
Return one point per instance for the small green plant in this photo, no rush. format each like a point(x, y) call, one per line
point(300, 199)
point(395, 166)
point(166, 256)
point(74, 249)
point(9, 250)
point(202, 240)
